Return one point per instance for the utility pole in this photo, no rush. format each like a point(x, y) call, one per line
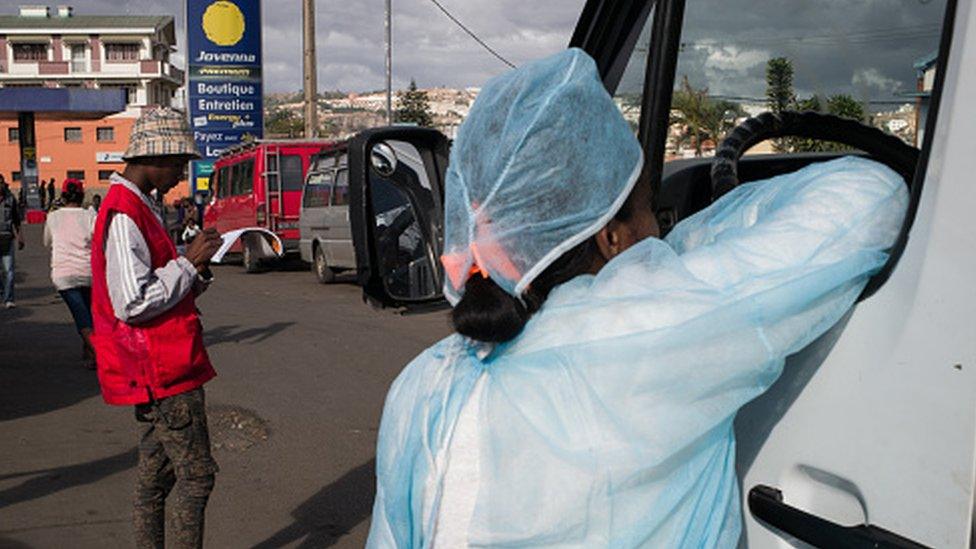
point(389, 64)
point(311, 80)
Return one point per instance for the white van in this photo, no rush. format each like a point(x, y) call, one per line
point(325, 240)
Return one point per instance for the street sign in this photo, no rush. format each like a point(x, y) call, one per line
point(224, 89)
point(102, 157)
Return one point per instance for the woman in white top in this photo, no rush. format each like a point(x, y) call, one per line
point(68, 232)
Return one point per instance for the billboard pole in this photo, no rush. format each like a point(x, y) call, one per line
point(389, 64)
point(311, 80)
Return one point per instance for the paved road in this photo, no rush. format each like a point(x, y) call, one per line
point(304, 365)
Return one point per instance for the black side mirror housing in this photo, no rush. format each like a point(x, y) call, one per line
point(396, 214)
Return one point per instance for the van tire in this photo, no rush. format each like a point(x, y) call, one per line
point(323, 273)
point(251, 262)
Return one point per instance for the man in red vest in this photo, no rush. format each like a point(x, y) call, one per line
point(147, 335)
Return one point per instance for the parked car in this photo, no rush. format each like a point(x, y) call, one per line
point(325, 240)
point(868, 438)
point(259, 184)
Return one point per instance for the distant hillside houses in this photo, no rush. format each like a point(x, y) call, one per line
point(343, 114)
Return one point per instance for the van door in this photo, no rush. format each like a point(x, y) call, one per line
point(284, 179)
point(241, 203)
point(292, 176)
point(212, 210)
point(340, 237)
point(219, 208)
point(313, 225)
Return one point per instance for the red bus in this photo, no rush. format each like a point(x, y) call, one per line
point(259, 184)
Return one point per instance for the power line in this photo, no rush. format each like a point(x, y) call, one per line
point(472, 34)
point(892, 34)
point(855, 34)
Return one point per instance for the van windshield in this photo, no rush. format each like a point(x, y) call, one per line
point(858, 60)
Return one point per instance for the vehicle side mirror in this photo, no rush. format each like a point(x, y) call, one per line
point(396, 196)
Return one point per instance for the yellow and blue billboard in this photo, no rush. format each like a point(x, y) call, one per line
point(224, 85)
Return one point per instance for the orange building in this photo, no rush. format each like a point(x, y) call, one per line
point(89, 150)
point(57, 49)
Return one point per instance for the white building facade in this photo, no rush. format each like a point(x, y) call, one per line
point(41, 46)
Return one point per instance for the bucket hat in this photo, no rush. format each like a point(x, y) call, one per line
point(161, 131)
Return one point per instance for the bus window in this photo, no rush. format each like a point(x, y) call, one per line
point(340, 193)
point(247, 177)
point(223, 182)
point(292, 177)
point(317, 190)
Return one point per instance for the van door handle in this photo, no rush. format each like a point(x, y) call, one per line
point(766, 504)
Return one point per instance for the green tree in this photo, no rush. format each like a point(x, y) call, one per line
point(780, 97)
point(845, 106)
point(413, 105)
point(779, 84)
point(802, 144)
point(779, 92)
point(702, 116)
point(284, 122)
point(841, 105)
point(814, 103)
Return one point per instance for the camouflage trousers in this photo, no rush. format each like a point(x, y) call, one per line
point(174, 455)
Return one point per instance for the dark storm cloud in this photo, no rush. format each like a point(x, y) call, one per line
point(863, 47)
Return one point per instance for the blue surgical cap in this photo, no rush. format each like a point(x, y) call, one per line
point(542, 162)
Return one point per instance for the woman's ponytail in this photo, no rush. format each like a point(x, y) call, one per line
point(487, 313)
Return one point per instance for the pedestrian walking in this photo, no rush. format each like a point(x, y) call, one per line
point(50, 193)
point(22, 201)
point(148, 338)
point(68, 232)
point(180, 212)
point(10, 236)
point(96, 203)
point(197, 207)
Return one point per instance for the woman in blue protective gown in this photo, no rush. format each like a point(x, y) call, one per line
point(588, 396)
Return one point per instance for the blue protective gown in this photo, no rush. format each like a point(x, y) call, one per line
point(608, 421)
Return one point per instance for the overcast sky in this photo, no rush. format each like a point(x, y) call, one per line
point(350, 38)
point(865, 48)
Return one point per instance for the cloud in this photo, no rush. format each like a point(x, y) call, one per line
point(350, 38)
point(427, 46)
point(871, 79)
point(866, 48)
point(724, 69)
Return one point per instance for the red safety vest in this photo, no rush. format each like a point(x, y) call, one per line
point(152, 360)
